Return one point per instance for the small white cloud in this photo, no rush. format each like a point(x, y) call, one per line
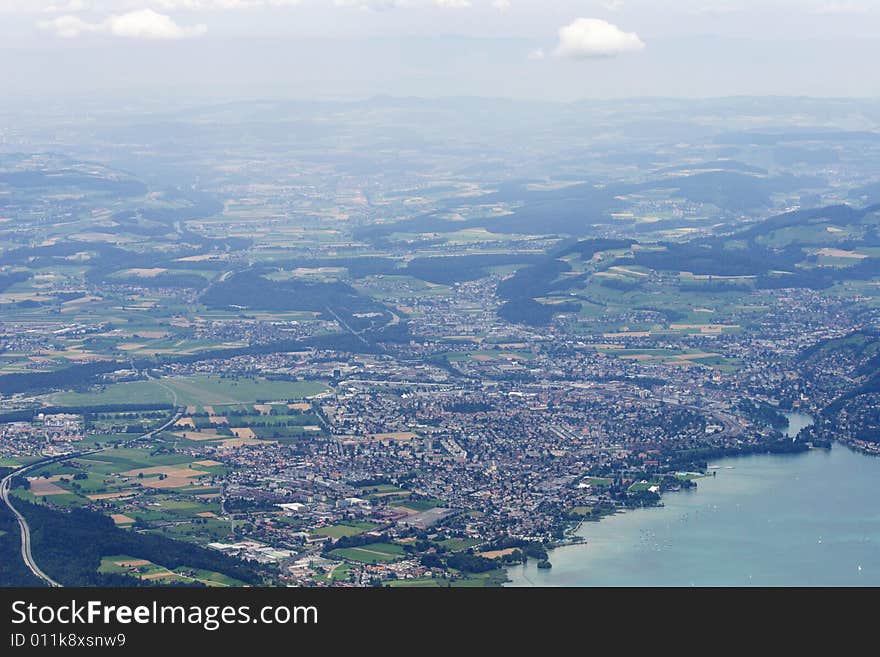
point(453, 4)
point(501, 5)
point(68, 27)
point(536, 54)
point(148, 24)
point(140, 24)
point(593, 37)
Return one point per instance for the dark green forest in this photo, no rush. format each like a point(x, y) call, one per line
point(69, 545)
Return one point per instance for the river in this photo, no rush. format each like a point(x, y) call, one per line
point(764, 520)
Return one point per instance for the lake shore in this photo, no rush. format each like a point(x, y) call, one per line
point(775, 520)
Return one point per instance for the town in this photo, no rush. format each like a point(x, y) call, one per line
point(421, 377)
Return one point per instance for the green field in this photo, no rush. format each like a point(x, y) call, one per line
point(372, 553)
point(344, 529)
point(125, 458)
point(488, 579)
point(458, 544)
point(103, 475)
point(205, 530)
point(421, 582)
point(208, 577)
point(190, 391)
point(384, 492)
point(109, 564)
point(160, 575)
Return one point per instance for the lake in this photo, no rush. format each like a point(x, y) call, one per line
point(809, 519)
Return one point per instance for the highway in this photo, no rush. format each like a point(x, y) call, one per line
point(26, 554)
point(22, 523)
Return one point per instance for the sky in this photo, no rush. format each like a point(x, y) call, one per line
point(534, 49)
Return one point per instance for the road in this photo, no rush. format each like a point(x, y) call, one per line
point(23, 526)
point(26, 554)
point(224, 511)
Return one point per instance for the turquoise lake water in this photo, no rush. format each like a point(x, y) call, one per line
point(809, 519)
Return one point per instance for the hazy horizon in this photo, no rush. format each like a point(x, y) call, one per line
point(558, 50)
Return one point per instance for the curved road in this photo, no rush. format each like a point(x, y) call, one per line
point(26, 554)
point(25, 529)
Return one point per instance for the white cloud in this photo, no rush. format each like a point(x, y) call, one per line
point(140, 24)
point(148, 24)
point(225, 4)
point(501, 5)
point(68, 27)
point(593, 37)
point(453, 4)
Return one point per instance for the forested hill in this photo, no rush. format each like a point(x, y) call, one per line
point(814, 248)
point(69, 546)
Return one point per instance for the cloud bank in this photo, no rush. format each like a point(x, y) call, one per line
point(140, 24)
